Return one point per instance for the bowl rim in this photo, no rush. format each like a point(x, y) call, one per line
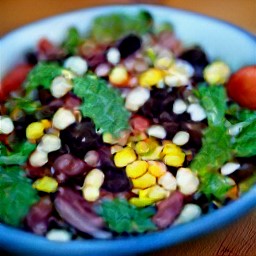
point(147, 242)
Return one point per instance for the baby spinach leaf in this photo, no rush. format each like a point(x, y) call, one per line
point(109, 28)
point(102, 103)
point(17, 195)
point(213, 100)
point(42, 75)
point(121, 216)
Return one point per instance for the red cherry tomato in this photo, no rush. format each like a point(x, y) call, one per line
point(241, 87)
point(13, 80)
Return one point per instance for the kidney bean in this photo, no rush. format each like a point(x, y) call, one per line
point(72, 207)
point(38, 217)
point(168, 210)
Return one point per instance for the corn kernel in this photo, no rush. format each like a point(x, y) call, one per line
point(142, 147)
point(157, 168)
point(144, 181)
point(119, 76)
point(94, 178)
point(168, 181)
point(46, 123)
point(217, 73)
point(138, 137)
point(35, 131)
point(174, 160)
point(143, 193)
point(157, 193)
point(136, 169)
point(153, 155)
point(121, 140)
point(91, 193)
point(171, 148)
point(124, 157)
point(151, 77)
point(141, 202)
point(46, 184)
point(116, 148)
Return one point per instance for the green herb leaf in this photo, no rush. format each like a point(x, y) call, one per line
point(245, 142)
point(72, 41)
point(215, 151)
point(103, 104)
point(238, 114)
point(19, 156)
point(213, 100)
point(215, 184)
point(42, 75)
point(112, 27)
point(16, 197)
point(123, 217)
point(29, 106)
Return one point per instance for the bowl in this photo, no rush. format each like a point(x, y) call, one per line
point(218, 38)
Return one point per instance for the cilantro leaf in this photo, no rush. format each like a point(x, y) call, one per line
point(213, 100)
point(42, 75)
point(103, 104)
point(215, 184)
point(112, 27)
point(16, 197)
point(215, 151)
point(121, 216)
point(245, 142)
point(19, 156)
point(238, 114)
point(72, 41)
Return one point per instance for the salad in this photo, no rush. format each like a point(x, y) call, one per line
point(122, 131)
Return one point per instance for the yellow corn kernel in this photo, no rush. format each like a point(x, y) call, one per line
point(144, 181)
point(174, 160)
point(91, 193)
point(46, 123)
point(163, 62)
point(150, 77)
point(153, 155)
point(121, 140)
point(138, 137)
point(157, 168)
point(135, 191)
point(136, 169)
point(46, 184)
point(116, 148)
point(141, 202)
point(143, 193)
point(119, 76)
point(171, 148)
point(142, 147)
point(108, 138)
point(217, 73)
point(94, 178)
point(124, 157)
point(157, 193)
point(35, 131)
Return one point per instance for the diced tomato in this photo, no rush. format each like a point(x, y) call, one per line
point(241, 87)
point(139, 123)
point(13, 80)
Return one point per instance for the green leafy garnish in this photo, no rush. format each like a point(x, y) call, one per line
point(215, 151)
point(17, 195)
point(245, 141)
point(72, 41)
point(103, 104)
point(213, 100)
point(112, 27)
point(42, 75)
point(237, 114)
point(121, 216)
point(215, 184)
point(17, 157)
point(29, 106)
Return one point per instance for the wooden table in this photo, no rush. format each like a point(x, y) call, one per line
point(238, 238)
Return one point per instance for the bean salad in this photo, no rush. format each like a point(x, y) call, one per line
point(122, 131)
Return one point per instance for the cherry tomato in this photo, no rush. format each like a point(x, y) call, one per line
point(13, 80)
point(241, 87)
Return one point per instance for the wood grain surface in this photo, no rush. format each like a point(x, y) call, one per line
point(237, 239)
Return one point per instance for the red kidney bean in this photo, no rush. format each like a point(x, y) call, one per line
point(72, 207)
point(168, 210)
point(38, 217)
point(37, 172)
